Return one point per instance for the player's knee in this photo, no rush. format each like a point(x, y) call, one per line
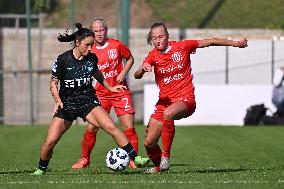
point(168, 114)
point(110, 128)
point(92, 128)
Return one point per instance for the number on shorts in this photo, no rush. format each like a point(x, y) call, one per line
point(127, 106)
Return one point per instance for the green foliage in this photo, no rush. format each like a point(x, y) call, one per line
point(42, 6)
point(202, 157)
point(220, 13)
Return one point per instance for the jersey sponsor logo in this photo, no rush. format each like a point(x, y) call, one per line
point(54, 66)
point(177, 56)
point(110, 74)
point(112, 53)
point(108, 64)
point(72, 83)
point(175, 77)
point(170, 68)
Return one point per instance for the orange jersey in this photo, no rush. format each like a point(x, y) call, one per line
point(110, 63)
point(172, 68)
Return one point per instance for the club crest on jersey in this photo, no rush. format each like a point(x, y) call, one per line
point(54, 66)
point(177, 57)
point(90, 68)
point(112, 53)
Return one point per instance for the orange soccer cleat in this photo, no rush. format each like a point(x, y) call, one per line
point(82, 163)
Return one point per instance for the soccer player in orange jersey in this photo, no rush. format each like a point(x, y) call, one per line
point(110, 54)
point(171, 63)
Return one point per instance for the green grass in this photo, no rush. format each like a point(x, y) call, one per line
point(202, 157)
point(230, 13)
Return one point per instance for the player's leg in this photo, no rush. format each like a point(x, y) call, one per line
point(103, 119)
point(89, 139)
point(175, 111)
point(124, 110)
point(153, 134)
point(87, 145)
point(154, 129)
point(56, 129)
point(127, 122)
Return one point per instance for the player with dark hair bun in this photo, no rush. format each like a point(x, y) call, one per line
point(171, 63)
point(74, 70)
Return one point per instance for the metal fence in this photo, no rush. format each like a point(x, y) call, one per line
point(16, 71)
point(218, 65)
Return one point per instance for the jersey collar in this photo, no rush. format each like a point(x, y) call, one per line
point(102, 47)
point(168, 49)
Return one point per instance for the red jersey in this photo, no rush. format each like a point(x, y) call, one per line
point(110, 63)
point(172, 68)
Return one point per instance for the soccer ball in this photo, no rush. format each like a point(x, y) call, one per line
point(117, 159)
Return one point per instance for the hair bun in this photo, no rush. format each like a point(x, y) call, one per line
point(78, 26)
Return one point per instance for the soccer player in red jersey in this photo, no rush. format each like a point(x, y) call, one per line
point(74, 70)
point(110, 54)
point(170, 61)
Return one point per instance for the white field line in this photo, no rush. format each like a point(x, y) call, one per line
point(144, 182)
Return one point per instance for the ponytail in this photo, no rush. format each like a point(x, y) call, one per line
point(80, 34)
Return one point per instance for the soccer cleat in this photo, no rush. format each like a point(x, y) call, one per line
point(82, 163)
point(38, 172)
point(153, 170)
point(165, 163)
point(141, 162)
point(132, 165)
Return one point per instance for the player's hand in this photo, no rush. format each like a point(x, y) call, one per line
point(57, 106)
point(243, 43)
point(117, 88)
point(147, 67)
point(120, 78)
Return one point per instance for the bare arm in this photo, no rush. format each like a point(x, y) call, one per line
point(100, 78)
point(222, 42)
point(55, 94)
point(128, 64)
point(141, 70)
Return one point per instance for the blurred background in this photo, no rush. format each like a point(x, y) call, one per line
point(29, 46)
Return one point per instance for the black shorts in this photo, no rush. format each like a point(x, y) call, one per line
point(71, 115)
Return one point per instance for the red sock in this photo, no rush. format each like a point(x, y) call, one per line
point(168, 132)
point(155, 154)
point(132, 137)
point(88, 142)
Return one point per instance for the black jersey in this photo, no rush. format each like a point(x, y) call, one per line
point(75, 77)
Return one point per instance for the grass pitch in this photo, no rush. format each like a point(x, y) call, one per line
point(202, 157)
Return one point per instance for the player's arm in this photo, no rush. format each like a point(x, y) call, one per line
point(142, 69)
point(55, 94)
point(100, 78)
point(222, 42)
point(128, 64)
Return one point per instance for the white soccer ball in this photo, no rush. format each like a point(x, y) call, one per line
point(117, 159)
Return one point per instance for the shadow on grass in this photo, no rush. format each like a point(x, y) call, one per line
point(16, 172)
point(88, 172)
point(225, 170)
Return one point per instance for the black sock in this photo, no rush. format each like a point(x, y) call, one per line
point(130, 151)
point(43, 164)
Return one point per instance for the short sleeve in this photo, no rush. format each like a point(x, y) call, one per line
point(94, 59)
point(190, 45)
point(57, 69)
point(124, 51)
point(149, 58)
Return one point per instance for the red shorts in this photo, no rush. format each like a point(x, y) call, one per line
point(165, 102)
point(122, 104)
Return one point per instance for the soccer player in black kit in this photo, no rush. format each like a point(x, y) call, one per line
point(74, 70)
